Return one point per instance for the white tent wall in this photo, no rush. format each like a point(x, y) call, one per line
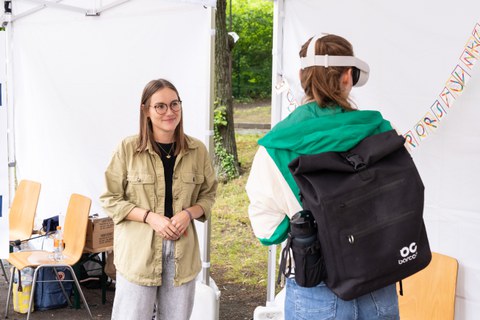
point(412, 48)
point(4, 194)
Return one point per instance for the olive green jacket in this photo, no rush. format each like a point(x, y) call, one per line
point(137, 180)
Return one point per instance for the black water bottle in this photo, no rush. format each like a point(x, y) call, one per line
point(303, 228)
point(307, 254)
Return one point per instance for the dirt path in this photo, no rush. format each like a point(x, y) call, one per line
point(238, 302)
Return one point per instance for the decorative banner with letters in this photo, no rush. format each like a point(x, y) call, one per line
point(452, 90)
point(283, 87)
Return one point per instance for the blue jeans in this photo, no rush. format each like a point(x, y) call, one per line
point(320, 303)
point(136, 302)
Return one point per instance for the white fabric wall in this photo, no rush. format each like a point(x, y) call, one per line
point(412, 48)
point(3, 154)
point(78, 82)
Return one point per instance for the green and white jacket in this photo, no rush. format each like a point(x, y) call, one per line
point(310, 129)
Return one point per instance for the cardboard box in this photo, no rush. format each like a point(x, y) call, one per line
point(99, 233)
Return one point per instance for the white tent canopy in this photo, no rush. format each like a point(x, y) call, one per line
point(413, 49)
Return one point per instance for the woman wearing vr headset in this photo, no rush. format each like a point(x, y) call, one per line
point(327, 121)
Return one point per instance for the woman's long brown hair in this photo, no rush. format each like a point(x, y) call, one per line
point(323, 84)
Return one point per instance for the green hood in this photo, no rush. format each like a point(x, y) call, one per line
point(311, 129)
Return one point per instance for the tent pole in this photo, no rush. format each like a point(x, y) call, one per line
point(9, 99)
point(111, 5)
point(272, 262)
point(59, 5)
point(277, 71)
point(209, 140)
point(277, 59)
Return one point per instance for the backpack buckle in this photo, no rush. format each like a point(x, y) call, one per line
point(356, 161)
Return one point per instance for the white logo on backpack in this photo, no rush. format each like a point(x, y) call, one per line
point(408, 253)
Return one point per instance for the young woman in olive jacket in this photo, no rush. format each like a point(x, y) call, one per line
point(157, 182)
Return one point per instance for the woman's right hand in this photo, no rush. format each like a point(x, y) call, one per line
point(163, 226)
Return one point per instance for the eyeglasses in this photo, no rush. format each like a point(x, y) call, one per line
point(161, 108)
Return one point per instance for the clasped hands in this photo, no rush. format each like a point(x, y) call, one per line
point(169, 228)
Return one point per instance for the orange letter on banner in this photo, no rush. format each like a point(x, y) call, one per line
point(461, 75)
point(430, 121)
point(447, 97)
point(438, 110)
point(473, 45)
point(455, 85)
point(468, 58)
point(410, 139)
point(476, 31)
point(421, 131)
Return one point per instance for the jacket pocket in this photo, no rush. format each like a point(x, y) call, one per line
point(140, 188)
point(191, 183)
point(192, 178)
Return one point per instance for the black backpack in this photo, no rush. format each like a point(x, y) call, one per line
point(368, 207)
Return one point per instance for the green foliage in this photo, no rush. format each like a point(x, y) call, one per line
point(225, 161)
point(236, 252)
point(252, 20)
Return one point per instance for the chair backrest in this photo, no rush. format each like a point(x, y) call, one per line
point(75, 227)
point(430, 293)
point(22, 212)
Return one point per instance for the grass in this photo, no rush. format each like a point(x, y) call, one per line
point(253, 114)
point(234, 247)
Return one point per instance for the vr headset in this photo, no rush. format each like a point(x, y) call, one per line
point(360, 69)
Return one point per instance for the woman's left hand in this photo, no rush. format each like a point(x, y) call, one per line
point(181, 221)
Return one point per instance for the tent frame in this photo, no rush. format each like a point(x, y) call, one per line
point(94, 11)
point(276, 116)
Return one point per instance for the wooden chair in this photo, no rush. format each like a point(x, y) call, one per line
point(74, 234)
point(430, 293)
point(22, 213)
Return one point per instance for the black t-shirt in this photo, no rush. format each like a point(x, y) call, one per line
point(168, 159)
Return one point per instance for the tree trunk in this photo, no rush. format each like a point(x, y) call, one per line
point(223, 83)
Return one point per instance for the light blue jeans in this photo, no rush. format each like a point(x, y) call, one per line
point(320, 303)
point(136, 302)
